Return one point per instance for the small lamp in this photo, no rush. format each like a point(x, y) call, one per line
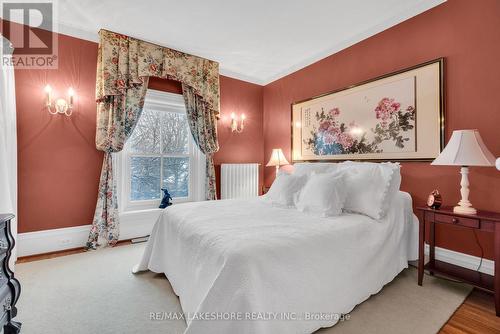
point(277, 159)
point(465, 148)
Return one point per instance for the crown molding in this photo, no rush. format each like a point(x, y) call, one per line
point(68, 29)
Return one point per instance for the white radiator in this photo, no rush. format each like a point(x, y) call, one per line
point(239, 180)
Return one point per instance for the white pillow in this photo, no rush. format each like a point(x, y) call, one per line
point(285, 188)
point(323, 194)
point(371, 187)
point(394, 185)
point(308, 168)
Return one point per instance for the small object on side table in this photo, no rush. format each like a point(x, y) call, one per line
point(484, 221)
point(10, 288)
point(434, 200)
point(166, 200)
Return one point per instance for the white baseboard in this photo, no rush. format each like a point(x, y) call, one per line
point(132, 225)
point(463, 260)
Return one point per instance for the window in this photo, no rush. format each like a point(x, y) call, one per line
point(161, 153)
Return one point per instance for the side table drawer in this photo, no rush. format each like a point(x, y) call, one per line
point(461, 221)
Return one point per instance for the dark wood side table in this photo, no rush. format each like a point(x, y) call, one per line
point(484, 221)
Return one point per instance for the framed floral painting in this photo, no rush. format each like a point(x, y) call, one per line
point(399, 116)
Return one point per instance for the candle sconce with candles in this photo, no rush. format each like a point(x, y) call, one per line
point(234, 123)
point(60, 105)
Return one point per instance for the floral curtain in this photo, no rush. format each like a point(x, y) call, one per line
point(124, 66)
point(203, 124)
point(117, 117)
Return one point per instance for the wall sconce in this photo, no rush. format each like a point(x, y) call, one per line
point(59, 106)
point(234, 123)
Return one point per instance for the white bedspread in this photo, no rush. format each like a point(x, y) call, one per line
point(248, 260)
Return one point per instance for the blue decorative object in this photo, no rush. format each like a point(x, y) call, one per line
point(166, 201)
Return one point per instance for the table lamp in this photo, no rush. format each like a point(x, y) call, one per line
point(465, 148)
point(277, 159)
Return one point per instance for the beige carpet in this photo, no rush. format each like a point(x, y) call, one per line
point(96, 293)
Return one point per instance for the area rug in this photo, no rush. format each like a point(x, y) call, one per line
point(95, 292)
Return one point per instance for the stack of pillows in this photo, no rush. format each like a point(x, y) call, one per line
point(328, 189)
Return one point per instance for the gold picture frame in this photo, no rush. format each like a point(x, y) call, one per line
point(395, 117)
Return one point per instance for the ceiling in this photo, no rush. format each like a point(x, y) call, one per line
point(254, 40)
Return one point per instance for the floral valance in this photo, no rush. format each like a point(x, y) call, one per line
point(125, 62)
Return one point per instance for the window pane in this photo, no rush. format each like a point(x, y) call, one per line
point(145, 178)
point(146, 135)
point(176, 176)
point(175, 133)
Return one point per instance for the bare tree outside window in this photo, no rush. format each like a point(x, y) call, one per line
point(159, 156)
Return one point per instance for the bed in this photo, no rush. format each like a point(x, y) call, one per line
point(246, 266)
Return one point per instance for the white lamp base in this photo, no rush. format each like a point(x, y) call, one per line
point(464, 206)
point(464, 210)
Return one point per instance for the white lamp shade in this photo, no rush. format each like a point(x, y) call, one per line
point(498, 163)
point(277, 158)
point(465, 148)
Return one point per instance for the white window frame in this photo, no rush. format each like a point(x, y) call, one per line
point(169, 102)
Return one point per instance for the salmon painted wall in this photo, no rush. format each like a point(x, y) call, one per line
point(58, 163)
point(247, 147)
point(467, 34)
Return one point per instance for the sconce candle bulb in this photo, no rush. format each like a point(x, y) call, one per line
point(48, 95)
point(71, 94)
point(234, 123)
